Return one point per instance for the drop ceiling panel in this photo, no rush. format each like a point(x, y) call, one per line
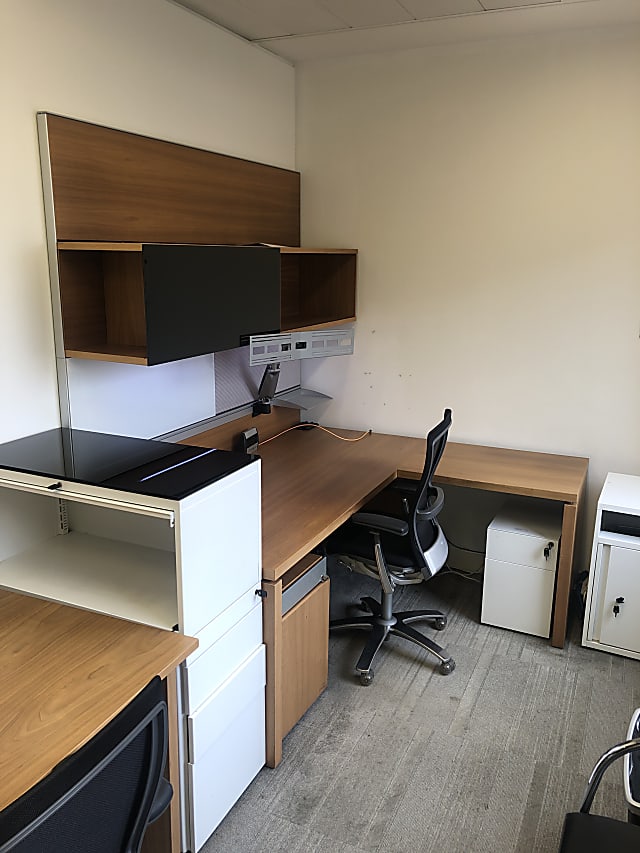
point(422, 10)
point(492, 5)
point(299, 30)
point(368, 13)
point(255, 19)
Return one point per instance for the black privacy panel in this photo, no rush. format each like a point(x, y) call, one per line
point(202, 299)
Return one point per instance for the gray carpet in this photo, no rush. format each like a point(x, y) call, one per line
point(487, 759)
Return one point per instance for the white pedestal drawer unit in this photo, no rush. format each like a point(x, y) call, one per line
point(612, 617)
point(167, 535)
point(520, 566)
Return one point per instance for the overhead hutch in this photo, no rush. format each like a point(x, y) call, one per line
point(157, 253)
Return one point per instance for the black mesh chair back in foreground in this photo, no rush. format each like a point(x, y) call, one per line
point(102, 797)
point(584, 832)
point(399, 547)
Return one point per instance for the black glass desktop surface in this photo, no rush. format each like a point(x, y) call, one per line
point(143, 466)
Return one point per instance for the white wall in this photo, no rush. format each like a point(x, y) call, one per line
point(493, 190)
point(146, 66)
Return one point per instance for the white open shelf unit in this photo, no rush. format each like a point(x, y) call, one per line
point(104, 575)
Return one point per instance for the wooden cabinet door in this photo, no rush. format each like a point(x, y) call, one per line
point(305, 648)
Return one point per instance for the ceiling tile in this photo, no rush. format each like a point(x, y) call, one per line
point(422, 10)
point(368, 13)
point(295, 17)
point(492, 5)
point(255, 19)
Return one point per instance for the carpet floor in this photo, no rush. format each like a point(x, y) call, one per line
point(488, 758)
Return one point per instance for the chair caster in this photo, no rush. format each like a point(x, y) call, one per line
point(366, 677)
point(440, 624)
point(447, 666)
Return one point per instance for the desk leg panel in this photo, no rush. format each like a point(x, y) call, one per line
point(305, 655)
point(272, 627)
point(163, 836)
point(564, 575)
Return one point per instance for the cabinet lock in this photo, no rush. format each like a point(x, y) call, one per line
point(616, 606)
point(261, 593)
point(547, 550)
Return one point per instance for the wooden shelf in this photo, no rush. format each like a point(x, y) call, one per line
point(125, 355)
point(103, 575)
point(304, 250)
point(115, 307)
point(88, 246)
point(318, 287)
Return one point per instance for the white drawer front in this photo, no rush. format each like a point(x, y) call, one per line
point(517, 597)
point(209, 670)
point(215, 629)
point(208, 722)
point(519, 548)
point(619, 570)
point(221, 775)
point(219, 553)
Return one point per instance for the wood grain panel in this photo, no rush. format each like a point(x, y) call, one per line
point(116, 186)
point(82, 299)
point(317, 288)
point(328, 290)
point(224, 435)
point(272, 626)
point(64, 674)
point(305, 653)
point(124, 299)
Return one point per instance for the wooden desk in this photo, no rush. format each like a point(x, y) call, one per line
point(64, 674)
point(312, 482)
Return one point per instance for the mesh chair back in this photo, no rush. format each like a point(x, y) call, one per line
point(99, 798)
point(425, 529)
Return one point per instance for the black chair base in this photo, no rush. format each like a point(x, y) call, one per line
point(380, 628)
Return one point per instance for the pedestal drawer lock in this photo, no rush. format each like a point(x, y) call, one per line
point(616, 606)
point(547, 550)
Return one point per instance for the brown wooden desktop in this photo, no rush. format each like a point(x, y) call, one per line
point(312, 482)
point(64, 674)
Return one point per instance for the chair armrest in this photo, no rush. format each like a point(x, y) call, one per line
point(381, 523)
point(603, 762)
point(161, 800)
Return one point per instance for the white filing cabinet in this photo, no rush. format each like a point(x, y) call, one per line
point(187, 561)
point(520, 566)
point(612, 617)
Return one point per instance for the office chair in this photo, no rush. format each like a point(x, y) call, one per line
point(584, 832)
point(399, 548)
point(101, 798)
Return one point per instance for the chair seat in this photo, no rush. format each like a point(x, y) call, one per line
point(589, 833)
point(355, 540)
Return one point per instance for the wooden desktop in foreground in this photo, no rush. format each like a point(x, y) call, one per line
point(64, 674)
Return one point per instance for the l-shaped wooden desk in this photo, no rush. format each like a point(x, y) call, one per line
point(312, 482)
point(64, 674)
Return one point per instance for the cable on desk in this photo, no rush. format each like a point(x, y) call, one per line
point(315, 426)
